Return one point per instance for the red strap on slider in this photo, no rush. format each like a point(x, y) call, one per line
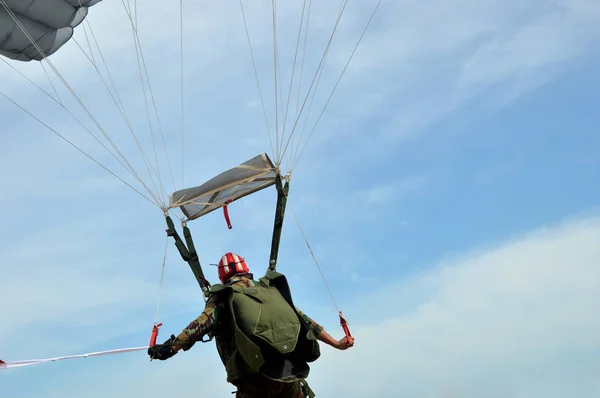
point(226, 214)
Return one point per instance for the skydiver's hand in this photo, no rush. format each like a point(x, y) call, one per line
point(163, 351)
point(345, 343)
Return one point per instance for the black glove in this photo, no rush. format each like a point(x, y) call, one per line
point(163, 351)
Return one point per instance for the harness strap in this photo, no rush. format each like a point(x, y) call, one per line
point(282, 192)
point(188, 254)
point(306, 390)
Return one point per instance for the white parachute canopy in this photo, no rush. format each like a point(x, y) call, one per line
point(249, 177)
point(49, 25)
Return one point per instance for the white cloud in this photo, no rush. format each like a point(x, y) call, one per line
point(380, 194)
point(510, 320)
point(423, 61)
point(393, 191)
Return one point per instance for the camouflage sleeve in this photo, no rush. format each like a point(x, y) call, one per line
point(199, 327)
point(314, 326)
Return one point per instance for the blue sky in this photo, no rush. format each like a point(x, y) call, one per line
point(449, 193)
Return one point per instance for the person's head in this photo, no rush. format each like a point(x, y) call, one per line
point(231, 264)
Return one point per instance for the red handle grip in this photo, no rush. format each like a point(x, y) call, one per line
point(344, 324)
point(154, 335)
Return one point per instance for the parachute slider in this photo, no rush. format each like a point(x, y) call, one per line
point(249, 177)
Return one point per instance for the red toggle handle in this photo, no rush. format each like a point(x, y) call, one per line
point(344, 324)
point(154, 334)
point(226, 214)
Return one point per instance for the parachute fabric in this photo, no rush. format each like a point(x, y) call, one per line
point(49, 23)
point(249, 177)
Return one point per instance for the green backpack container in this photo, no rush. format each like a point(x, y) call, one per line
point(268, 330)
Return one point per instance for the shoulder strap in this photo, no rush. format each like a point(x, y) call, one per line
point(214, 289)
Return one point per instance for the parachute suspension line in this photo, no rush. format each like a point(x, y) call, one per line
point(138, 51)
point(66, 110)
point(314, 258)
point(293, 138)
point(87, 39)
point(122, 109)
point(278, 86)
point(129, 6)
point(92, 60)
point(321, 65)
point(319, 74)
point(306, 117)
point(256, 76)
point(119, 104)
point(71, 114)
point(337, 83)
point(34, 84)
point(51, 83)
point(282, 197)
point(70, 89)
point(160, 283)
point(156, 203)
point(182, 97)
point(141, 54)
point(132, 11)
point(303, 55)
point(157, 325)
point(287, 107)
point(143, 63)
point(343, 321)
point(276, 80)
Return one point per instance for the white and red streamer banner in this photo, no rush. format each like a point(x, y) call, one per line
point(17, 364)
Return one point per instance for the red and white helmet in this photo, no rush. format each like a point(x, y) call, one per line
point(230, 265)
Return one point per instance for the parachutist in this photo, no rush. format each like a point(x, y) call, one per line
point(265, 342)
